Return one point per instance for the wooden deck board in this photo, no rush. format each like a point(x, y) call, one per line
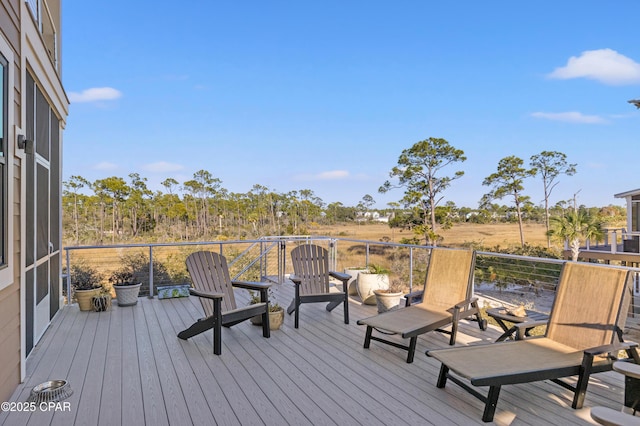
point(226, 386)
point(88, 397)
point(156, 372)
point(110, 401)
point(186, 389)
point(318, 374)
point(314, 407)
point(133, 395)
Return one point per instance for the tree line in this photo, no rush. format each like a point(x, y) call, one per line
point(421, 173)
point(115, 209)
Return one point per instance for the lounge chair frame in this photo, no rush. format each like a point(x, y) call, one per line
point(582, 338)
point(210, 276)
point(445, 299)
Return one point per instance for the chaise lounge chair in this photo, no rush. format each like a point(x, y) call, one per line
point(445, 300)
point(210, 276)
point(583, 336)
point(311, 276)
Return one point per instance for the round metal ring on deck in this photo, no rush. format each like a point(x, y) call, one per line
point(50, 391)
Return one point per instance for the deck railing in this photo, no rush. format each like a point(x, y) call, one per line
point(499, 278)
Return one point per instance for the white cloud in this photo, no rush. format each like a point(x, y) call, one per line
point(328, 175)
point(105, 165)
point(604, 65)
point(333, 175)
point(95, 94)
point(570, 117)
point(162, 167)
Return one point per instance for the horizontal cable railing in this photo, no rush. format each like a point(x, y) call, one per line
point(499, 279)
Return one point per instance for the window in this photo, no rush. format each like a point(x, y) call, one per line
point(4, 221)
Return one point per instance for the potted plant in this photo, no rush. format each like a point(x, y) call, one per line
point(126, 289)
point(352, 284)
point(276, 312)
point(85, 282)
point(102, 301)
point(375, 278)
point(389, 299)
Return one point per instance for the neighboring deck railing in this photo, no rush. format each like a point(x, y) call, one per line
point(615, 240)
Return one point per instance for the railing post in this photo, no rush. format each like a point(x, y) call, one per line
point(150, 272)
point(366, 256)
point(332, 256)
point(410, 269)
point(282, 261)
point(614, 243)
point(68, 277)
point(263, 269)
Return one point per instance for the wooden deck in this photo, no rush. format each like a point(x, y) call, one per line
point(127, 367)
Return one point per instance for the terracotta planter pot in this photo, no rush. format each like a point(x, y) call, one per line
point(367, 283)
point(387, 301)
point(85, 298)
point(275, 319)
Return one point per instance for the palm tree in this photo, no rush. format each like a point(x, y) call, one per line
point(574, 226)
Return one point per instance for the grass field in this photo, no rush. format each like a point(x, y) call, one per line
point(351, 254)
point(487, 235)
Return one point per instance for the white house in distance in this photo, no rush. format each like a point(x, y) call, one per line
point(633, 210)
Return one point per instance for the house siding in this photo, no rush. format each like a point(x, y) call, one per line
point(9, 340)
point(19, 35)
point(10, 346)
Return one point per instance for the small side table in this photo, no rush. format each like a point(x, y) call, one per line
point(631, 373)
point(501, 316)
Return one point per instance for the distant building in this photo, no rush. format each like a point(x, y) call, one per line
point(633, 209)
point(33, 112)
point(372, 216)
point(621, 245)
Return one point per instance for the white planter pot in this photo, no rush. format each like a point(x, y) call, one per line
point(353, 281)
point(367, 283)
point(387, 301)
point(127, 295)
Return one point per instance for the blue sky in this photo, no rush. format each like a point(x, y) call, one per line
point(325, 95)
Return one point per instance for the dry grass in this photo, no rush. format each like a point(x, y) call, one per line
point(351, 254)
point(488, 235)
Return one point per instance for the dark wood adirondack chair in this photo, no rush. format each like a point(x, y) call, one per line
point(584, 336)
point(311, 279)
point(444, 301)
point(212, 284)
